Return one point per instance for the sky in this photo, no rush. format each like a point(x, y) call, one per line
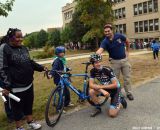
point(33, 15)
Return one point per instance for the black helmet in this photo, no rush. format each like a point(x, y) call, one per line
point(95, 57)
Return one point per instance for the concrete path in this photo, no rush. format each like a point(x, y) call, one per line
point(86, 55)
point(142, 114)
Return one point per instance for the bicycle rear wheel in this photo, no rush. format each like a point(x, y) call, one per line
point(101, 99)
point(54, 106)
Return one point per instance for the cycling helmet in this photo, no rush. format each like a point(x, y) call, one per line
point(59, 49)
point(95, 57)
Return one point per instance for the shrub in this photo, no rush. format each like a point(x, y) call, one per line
point(48, 52)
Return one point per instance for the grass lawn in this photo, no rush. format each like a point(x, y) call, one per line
point(34, 53)
point(68, 52)
point(143, 68)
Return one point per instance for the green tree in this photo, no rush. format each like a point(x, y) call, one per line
point(41, 38)
point(95, 14)
point(27, 42)
point(66, 34)
point(77, 27)
point(54, 38)
point(6, 7)
point(30, 40)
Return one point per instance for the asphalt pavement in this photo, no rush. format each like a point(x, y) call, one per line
point(142, 114)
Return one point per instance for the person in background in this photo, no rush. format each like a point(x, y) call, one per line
point(155, 48)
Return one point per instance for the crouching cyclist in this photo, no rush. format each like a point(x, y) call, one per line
point(108, 85)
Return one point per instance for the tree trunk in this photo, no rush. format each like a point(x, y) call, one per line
point(97, 42)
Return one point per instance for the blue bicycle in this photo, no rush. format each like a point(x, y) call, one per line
point(55, 103)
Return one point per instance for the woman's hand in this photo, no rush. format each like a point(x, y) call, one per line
point(45, 68)
point(49, 76)
point(5, 92)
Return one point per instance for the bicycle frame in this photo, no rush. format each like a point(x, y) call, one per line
point(64, 82)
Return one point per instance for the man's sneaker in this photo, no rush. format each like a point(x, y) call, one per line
point(35, 126)
point(130, 96)
point(96, 112)
point(20, 128)
point(70, 105)
point(123, 102)
point(64, 112)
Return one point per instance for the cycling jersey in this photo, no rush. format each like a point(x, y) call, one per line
point(105, 76)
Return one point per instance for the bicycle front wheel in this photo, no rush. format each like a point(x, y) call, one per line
point(101, 99)
point(54, 106)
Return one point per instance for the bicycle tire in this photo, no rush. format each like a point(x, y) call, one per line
point(102, 99)
point(52, 105)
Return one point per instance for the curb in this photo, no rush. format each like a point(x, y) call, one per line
point(145, 81)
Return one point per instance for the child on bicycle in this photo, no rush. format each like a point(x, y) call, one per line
point(108, 85)
point(59, 64)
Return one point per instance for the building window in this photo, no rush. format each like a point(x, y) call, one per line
point(68, 15)
point(146, 26)
point(140, 26)
point(124, 28)
point(135, 10)
point(117, 28)
point(116, 13)
point(136, 27)
point(120, 13)
point(151, 25)
point(65, 16)
point(140, 8)
point(117, 1)
point(146, 40)
point(121, 28)
point(156, 24)
point(123, 12)
point(155, 3)
point(144, 7)
point(150, 5)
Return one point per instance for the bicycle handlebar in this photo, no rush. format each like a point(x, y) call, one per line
point(68, 73)
point(58, 72)
point(9, 95)
point(87, 63)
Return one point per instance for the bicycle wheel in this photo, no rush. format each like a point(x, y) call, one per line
point(101, 99)
point(54, 106)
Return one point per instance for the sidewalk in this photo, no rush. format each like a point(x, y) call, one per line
point(142, 114)
point(86, 55)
